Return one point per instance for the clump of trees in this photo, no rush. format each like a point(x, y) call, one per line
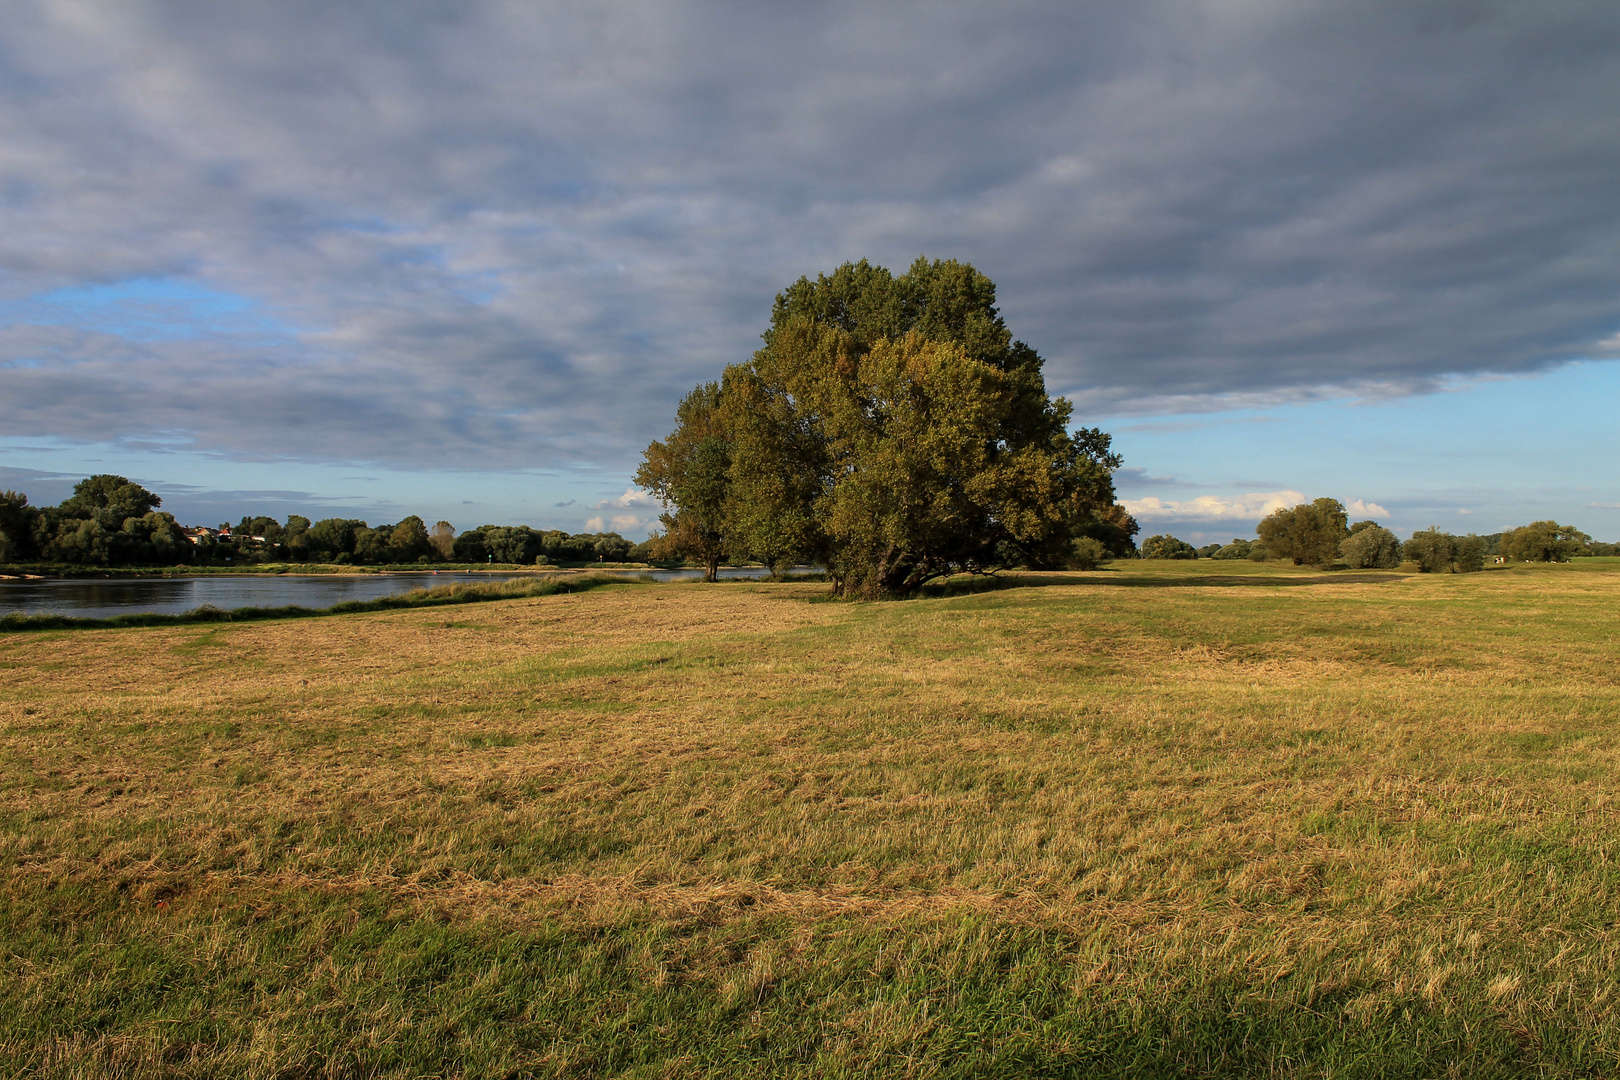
point(1544, 541)
point(890, 429)
point(1317, 533)
point(1240, 549)
point(1370, 546)
point(1167, 547)
point(108, 521)
point(521, 544)
point(1435, 552)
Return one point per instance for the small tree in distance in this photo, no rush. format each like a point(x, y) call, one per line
point(1167, 547)
point(1432, 550)
point(1470, 556)
point(1370, 546)
point(442, 538)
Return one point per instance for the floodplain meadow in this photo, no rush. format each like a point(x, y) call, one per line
point(1161, 819)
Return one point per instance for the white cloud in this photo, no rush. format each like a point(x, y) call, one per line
point(1360, 509)
point(1604, 506)
point(619, 523)
point(1250, 507)
point(1464, 511)
point(637, 512)
point(632, 499)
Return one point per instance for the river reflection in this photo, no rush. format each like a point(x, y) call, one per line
point(100, 598)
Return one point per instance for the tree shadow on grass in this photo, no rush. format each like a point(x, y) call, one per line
point(966, 586)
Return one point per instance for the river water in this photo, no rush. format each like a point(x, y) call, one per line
point(100, 598)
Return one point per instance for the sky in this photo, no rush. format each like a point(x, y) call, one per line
point(461, 260)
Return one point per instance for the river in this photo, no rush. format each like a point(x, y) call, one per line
point(100, 598)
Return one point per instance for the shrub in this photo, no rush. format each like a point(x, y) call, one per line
point(1087, 553)
point(1470, 555)
point(1371, 548)
point(1167, 547)
point(1431, 549)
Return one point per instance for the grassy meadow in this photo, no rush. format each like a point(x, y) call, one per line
point(1161, 819)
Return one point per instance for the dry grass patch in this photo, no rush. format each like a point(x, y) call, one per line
point(1163, 818)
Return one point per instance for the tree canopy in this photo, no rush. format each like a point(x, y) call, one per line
point(1543, 541)
point(690, 474)
point(1308, 533)
point(1168, 547)
point(1370, 546)
point(890, 428)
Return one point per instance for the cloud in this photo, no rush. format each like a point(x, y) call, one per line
point(1463, 511)
point(1358, 508)
point(1604, 506)
point(1133, 477)
point(619, 523)
point(516, 236)
point(642, 513)
point(632, 499)
point(1212, 508)
point(565, 502)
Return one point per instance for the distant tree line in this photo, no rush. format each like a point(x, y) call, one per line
point(111, 521)
point(1319, 534)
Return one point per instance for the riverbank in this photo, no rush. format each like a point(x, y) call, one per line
point(39, 571)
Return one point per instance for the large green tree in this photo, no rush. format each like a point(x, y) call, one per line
point(1308, 533)
point(109, 521)
point(890, 428)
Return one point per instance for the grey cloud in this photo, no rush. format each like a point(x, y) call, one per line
point(1132, 479)
point(42, 488)
point(506, 236)
point(198, 505)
